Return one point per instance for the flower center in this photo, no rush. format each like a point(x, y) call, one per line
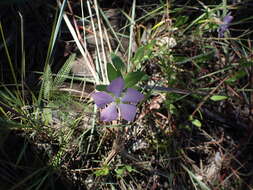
point(117, 100)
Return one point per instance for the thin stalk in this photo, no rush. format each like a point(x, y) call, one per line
point(96, 41)
point(80, 47)
point(84, 39)
point(131, 37)
point(23, 67)
point(103, 64)
point(92, 128)
point(111, 29)
point(55, 31)
point(8, 56)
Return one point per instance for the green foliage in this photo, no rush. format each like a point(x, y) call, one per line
point(49, 83)
point(218, 98)
point(121, 171)
point(101, 87)
point(64, 71)
point(133, 78)
point(113, 73)
point(55, 32)
point(194, 178)
point(8, 55)
point(118, 63)
point(195, 122)
point(237, 76)
point(47, 115)
point(196, 64)
point(143, 53)
point(9, 124)
point(172, 109)
point(244, 65)
point(181, 20)
point(117, 68)
point(104, 171)
point(201, 58)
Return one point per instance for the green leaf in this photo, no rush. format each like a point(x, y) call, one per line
point(133, 78)
point(8, 124)
point(120, 171)
point(101, 87)
point(241, 73)
point(236, 76)
point(139, 54)
point(245, 63)
point(47, 83)
point(102, 172)
point(47, 116)
point(129, 168)
point(118, 63)
point(218, 98)
point(198, 58)
point(112, 72)
point(64, 71)
point(196, 122)
point(172, 109)
point(202, 185)
point(143, 53)
point(181, 20)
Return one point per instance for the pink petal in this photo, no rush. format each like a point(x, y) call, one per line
point(109, 113)
point(132, 96)
point(127, 111)
point(116, 86)
point(102, 98)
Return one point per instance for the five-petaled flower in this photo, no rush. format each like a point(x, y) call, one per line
point(225, 24)
point(120, 102)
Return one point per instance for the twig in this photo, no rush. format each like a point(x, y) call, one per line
point(117, 147)
point(175, 90)
point(207, 96)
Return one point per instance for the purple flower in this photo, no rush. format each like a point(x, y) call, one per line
point(120, 102)
point(224, 26)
